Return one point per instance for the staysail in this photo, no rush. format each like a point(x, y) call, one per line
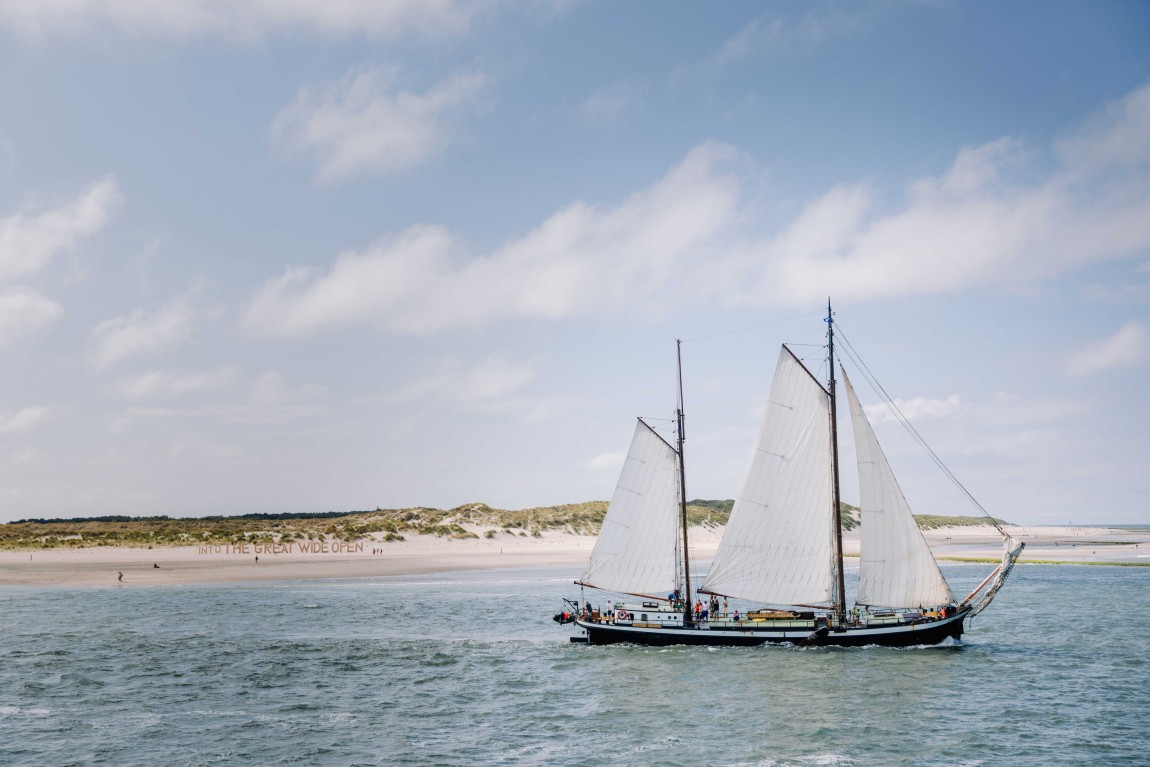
point(636, 552)
point(778, 546)
point(896, 566)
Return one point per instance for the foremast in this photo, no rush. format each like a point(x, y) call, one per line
point(682, 437)
point(639, 550)
point(840, 580)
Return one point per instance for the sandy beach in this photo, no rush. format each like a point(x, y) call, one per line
point(100, 566)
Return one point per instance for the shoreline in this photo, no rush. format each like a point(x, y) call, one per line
point(184, 565)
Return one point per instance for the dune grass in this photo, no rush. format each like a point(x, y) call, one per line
point(472, 520)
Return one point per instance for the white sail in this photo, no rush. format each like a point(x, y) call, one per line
point(636, 552)
point(778, 547)
point(896, 567)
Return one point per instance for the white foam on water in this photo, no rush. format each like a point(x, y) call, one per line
point(659, 745)
point(820, 760)
point(827, 760)
point(7, 711)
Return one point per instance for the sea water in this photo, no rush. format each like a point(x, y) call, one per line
point(470, 669)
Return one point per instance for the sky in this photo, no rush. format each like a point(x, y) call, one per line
point(298, 257)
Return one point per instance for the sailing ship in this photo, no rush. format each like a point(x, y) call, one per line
point(782, 548)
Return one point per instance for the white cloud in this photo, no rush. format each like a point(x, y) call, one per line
point(24, 311)
point(24, 419)
point(772, 33)
point(979, 222)
point(142, 333)
point(271, 399)
point(1123, 293)
point(363, 287)
point(1002, 423)
point(22, 456)
point(608, 106)
point(1128, 347)
point(363, 123)
point(28, 241)
point(490, 379)
point(187, 446)
point(544, 407)
point(246, 20)
point(582, 259)
point(228, 413)
point(915, 409)
point(1113, 138)
point(992, 218)
point(159, 383)
point(270, 389)
point(493, 386)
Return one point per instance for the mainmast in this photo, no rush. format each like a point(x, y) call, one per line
point(683, 489)
point(840, 595)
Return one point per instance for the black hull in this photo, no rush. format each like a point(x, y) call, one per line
point(906, 635)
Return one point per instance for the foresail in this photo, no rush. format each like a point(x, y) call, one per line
point(635, 552)
point(778, 546)
point(896, 566)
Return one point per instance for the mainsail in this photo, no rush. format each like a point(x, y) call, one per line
point(896, 567)
point(636, 552)
point(778, 546)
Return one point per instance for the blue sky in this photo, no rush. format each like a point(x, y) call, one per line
point(330, 256)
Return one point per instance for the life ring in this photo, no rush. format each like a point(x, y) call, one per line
point(620, 615)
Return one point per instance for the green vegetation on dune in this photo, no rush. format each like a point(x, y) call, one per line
point(931, 521)
point(709, 513)
point(848, 516)
point(471, 520)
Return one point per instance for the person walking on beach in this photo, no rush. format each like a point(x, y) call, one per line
point(120, 575)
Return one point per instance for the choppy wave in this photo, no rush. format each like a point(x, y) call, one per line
point(471, 670)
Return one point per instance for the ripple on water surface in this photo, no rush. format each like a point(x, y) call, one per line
point(470, 669)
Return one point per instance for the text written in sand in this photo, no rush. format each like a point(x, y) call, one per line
point(293, 547)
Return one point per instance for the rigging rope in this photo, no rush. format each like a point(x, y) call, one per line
point(855, 357)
